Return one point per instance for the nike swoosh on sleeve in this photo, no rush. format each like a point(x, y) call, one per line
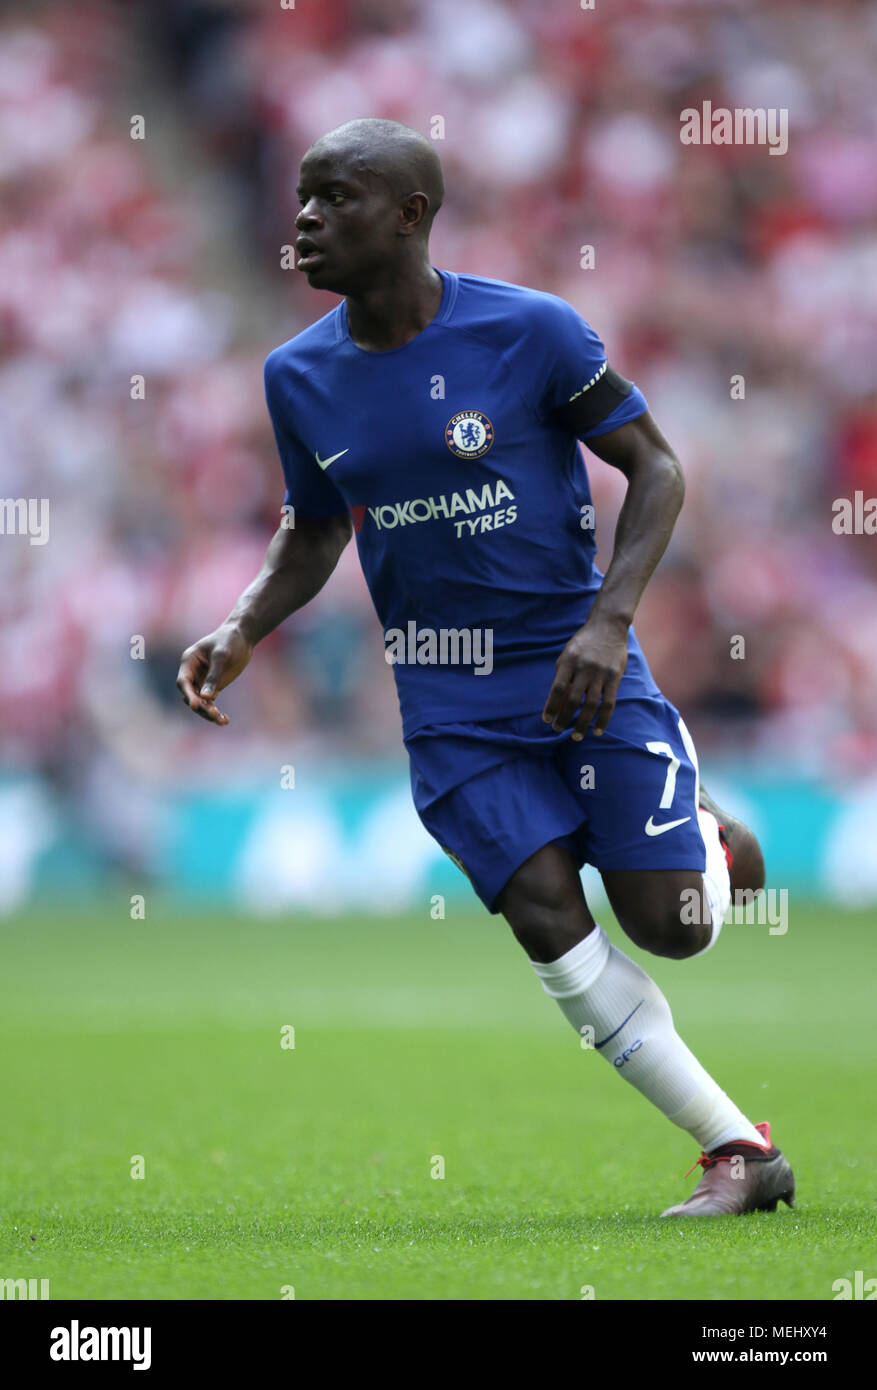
point(324, 463)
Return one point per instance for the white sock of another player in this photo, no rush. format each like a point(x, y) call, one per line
point(716, 878)
point(598, 987)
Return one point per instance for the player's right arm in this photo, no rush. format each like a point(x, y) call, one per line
point(297, 564)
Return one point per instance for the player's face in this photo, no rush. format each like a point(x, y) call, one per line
point(347, 224)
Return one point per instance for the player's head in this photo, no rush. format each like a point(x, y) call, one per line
point(369, 190)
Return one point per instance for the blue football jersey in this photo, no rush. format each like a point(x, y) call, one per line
point(470, 501)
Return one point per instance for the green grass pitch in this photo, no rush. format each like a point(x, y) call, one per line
point(310, 1168)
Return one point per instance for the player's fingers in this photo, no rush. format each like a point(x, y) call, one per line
point(213, 681)
point(570, 701)
point(587, 712)
point(581, 676)
point(189, 678)
point(187, 689)
point(207, 710)
point(556, 696)
point(193, 689)
point(607, 705)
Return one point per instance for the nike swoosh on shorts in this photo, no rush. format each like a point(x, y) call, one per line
point(652, 829)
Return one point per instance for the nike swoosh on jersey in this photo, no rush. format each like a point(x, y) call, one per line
point(324, 463)
point(652, 829)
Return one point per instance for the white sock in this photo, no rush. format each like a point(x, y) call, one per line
point(598, 986)
point(716, 877)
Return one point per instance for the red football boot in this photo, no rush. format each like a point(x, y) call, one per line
point(742, 850)
point(739, 1177)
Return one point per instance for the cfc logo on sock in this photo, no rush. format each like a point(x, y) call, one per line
point(627, 1053)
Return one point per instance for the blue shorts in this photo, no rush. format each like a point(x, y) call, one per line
point(493, 793)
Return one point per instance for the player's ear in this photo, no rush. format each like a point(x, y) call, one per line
point(412, 212)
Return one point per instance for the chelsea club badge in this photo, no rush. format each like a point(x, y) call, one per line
point(469, 434)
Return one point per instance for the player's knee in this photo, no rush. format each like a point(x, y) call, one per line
point(545, 909)
point(665, 930)
point(547, 925)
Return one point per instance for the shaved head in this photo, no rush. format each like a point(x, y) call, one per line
point(368, 192)
point(387, 150)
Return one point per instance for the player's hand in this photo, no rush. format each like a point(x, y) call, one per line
point(209, 666)
point(589, 669)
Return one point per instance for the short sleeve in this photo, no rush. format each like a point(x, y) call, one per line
point(565, 359)
point(308, 489)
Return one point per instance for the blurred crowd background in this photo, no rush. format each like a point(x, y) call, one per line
point(162, 257)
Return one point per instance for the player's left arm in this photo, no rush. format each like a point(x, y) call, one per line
point(592, 663)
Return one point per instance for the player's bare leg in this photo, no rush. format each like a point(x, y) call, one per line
point(544, 904)
point(612, 1001)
